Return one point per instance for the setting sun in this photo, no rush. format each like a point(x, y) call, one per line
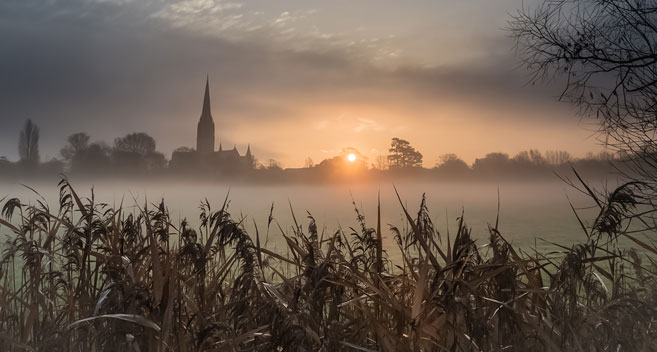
point(351, 157)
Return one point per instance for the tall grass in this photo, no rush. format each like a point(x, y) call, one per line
point(90, 277)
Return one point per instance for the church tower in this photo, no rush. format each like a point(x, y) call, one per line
point(205, 131)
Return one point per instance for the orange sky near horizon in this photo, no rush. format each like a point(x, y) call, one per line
point(437, 127)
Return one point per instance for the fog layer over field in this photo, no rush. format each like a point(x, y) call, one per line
point(529, 212)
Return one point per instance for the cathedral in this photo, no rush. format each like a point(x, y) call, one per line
point(205, 157)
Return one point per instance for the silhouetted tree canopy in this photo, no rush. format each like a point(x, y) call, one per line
point(77, 143)
point(53, 167)
point(531, 157)
point(403, 155)
point(99, 152)
point(155, 160)
point(95, 159)
point(452, 165)
point(85, 157)
point(492, 163)
point(28, 143)
point(136, 152)
point(341, 164)
point(140, 143)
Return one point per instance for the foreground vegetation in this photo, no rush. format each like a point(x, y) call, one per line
point(88, 277)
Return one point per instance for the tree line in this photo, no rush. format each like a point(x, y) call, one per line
point(136, 154)
point(404, 160)
point(133, 153)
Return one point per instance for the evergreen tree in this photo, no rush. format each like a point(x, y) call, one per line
point(403, 155)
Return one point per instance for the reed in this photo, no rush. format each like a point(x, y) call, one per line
point(91, 277)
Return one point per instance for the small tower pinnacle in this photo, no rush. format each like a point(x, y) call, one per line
point(249, 157)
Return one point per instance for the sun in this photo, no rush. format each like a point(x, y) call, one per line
point(351, 157)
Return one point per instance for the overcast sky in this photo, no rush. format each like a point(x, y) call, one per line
point(294, 78)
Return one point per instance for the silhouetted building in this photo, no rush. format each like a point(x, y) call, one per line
point(205, 157)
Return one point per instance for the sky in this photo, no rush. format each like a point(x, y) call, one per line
point(292, 78)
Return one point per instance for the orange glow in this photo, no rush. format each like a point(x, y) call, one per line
point(370, 128)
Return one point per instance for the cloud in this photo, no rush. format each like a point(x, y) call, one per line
point(284, 17)
point(202, 14)
point(367, 124)
point(113, 67)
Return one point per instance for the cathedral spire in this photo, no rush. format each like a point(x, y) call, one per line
point(248, 151)
point(205, 129)
point(206, 99)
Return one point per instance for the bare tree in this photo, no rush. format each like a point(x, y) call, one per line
point(28, 143)
point(532, 157)
point(381, 162)
point(557, 157)
point(309, 163)
point(272, 164)
point(604, 53)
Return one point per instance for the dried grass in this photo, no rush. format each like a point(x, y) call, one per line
point(90, 277)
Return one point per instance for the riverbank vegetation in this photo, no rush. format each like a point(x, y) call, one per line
point(88, 277)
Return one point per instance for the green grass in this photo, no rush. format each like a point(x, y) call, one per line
point(89, 277)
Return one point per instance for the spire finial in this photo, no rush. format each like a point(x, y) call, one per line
point(206, 99)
